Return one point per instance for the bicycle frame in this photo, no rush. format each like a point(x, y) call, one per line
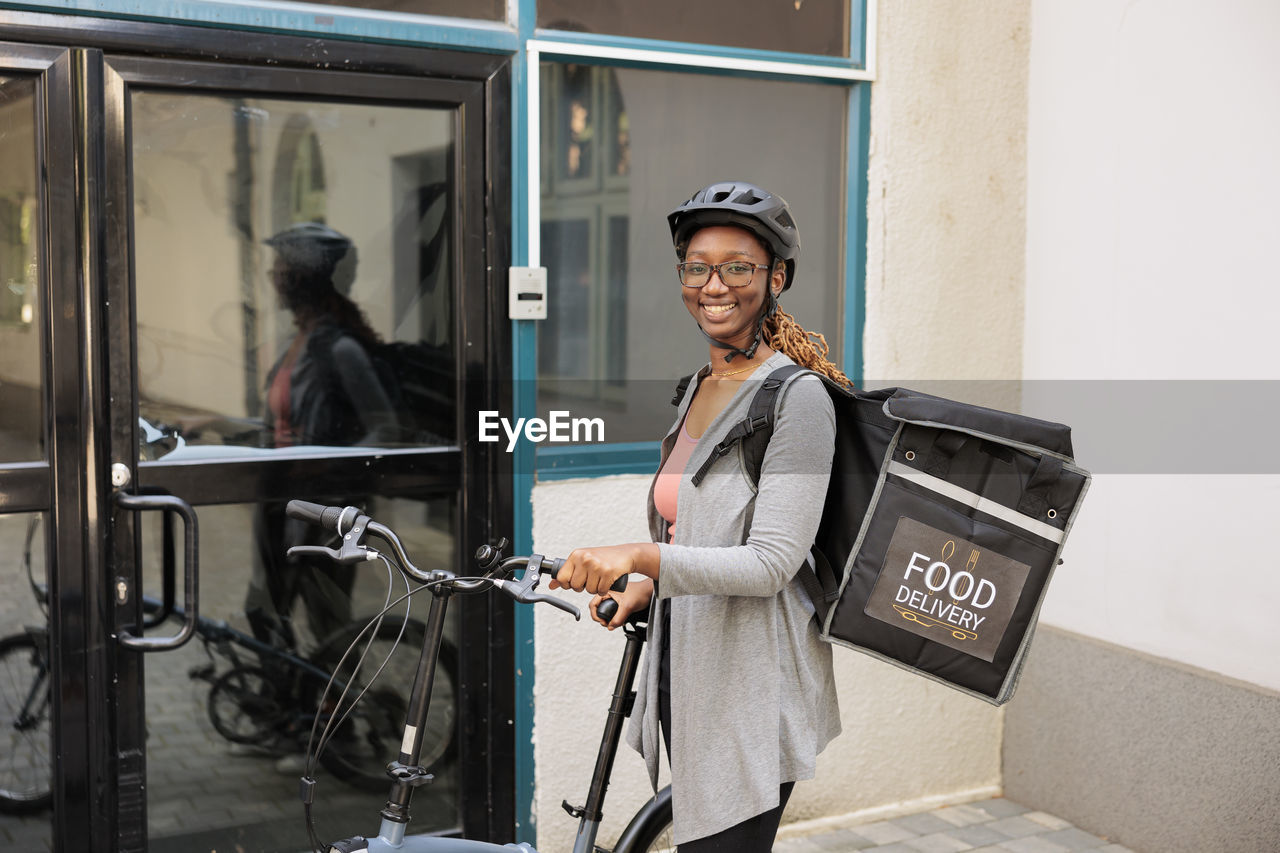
point(591, 813)
point(391, 833)
point(405, 771)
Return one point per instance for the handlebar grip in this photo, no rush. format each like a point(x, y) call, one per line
point(552, 566)
point(606, 609)
point(325, 516)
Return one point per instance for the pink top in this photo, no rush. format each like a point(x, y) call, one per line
point(668, 485)
point(278, 401)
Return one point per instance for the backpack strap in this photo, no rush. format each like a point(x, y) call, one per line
point(681, 388)
point(755, 429)
point(821, 584)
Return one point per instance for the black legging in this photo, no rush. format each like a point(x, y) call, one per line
point(753, 835)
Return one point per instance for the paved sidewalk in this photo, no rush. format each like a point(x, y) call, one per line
point(992, 826)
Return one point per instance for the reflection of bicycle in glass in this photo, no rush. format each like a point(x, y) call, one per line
point(258, 695)
point(25, 742)
point(518, 577)
point(26, 738)
point(270, 698)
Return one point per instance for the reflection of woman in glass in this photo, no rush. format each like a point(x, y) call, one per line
point(324, 390)
point(740, 688)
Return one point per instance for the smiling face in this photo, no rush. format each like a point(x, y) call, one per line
point(729, 314)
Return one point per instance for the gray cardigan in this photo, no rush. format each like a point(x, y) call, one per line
point(753, 697)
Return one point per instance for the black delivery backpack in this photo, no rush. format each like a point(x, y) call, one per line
point(942, 527)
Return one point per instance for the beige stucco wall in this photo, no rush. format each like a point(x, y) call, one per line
point(944, 301)
point(947, 190)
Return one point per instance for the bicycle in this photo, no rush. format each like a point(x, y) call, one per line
point(267, 703)
point(263, 700)
point(26, 735)
point(648, 830)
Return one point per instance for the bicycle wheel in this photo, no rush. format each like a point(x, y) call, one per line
point(26, 739)
point(246, 705)
point(657, 838)
point(650, 829)
point(359, 751)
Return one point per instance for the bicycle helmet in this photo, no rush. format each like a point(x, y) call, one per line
point(318, 249)
point(747, 206)
point(755, 209)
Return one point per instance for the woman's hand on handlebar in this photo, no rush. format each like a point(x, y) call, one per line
point(635, 597)
point(595, 569)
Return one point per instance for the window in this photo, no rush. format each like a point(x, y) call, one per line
point(798, 26)
point(493, 10)
point(21, 407)
point(621, 147)
point(372, 327)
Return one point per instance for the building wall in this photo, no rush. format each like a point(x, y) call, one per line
point(1151, 212)
point(1151, 187)
point(945, 261)
point(946, 193)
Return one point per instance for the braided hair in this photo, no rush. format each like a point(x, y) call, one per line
point(311, 295)
point(807, 349)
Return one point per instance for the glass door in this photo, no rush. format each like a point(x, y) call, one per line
point(27, 76)
point(298, 247)
point(284, 287)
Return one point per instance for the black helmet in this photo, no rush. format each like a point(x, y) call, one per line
point(319, 250)
point(747, 206)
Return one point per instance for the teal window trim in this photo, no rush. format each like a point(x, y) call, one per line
point(574, 461)
point(857, 146)
point(524, 373)
point(697, 53)
point(335, 22)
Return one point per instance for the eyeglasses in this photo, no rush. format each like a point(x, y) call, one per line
point(732, 273)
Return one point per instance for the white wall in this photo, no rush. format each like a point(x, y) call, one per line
point(1151, 226)
point(945, 268)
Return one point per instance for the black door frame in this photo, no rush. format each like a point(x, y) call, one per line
point(89, 61)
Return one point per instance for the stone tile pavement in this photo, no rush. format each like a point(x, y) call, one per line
point(991, 826)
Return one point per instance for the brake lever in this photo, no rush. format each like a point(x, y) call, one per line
point(349, 555)
point(535, 597)
point(522, 590)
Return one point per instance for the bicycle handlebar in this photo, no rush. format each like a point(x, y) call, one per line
point(352, 525)
point(328, 517)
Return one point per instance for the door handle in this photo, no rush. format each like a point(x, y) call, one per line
point(190, 570)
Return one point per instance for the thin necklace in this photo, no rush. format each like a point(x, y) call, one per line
point(736, 372)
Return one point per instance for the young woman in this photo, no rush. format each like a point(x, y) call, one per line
point(741, 687)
